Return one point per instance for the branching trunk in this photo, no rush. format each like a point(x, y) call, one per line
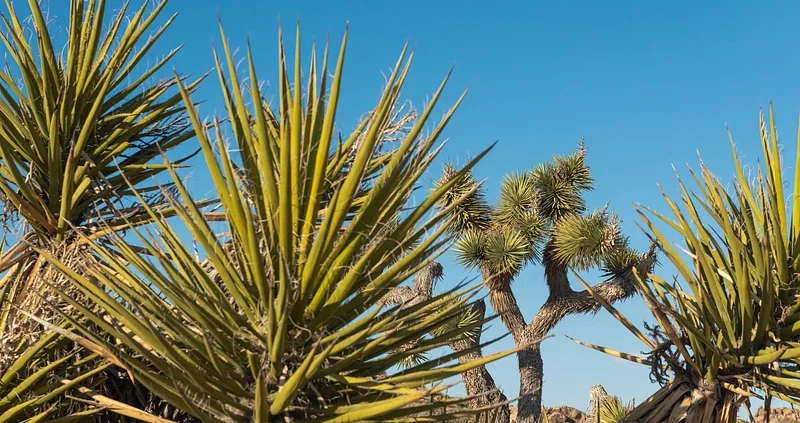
point(563, 301)
point(478, 381)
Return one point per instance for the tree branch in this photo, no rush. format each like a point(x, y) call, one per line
point(397, 295)
point(564, 301)
point(478, 381)
point(505, 303)
point(421, 289)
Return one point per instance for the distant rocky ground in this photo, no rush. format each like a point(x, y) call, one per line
point(778, 415)
point(562, 414)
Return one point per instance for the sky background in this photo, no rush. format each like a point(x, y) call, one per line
point(649, 84)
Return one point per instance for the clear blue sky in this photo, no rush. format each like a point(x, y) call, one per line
point(647, 83)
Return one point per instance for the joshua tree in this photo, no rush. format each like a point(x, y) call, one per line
point(542, 217)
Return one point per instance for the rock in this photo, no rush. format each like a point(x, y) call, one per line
point(560, 414)
point(778, 415)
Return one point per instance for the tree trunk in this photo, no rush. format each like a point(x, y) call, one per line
point(505, 304)
point(531, 378)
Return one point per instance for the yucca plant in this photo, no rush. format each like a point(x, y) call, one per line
point(56, 380)
point(613, 410)
point(79, 126)
point(540, 217)
point(727, 330)
point(53, 380)
point(33, 384)
point(279, 317)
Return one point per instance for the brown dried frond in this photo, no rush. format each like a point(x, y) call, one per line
point(39, 284)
